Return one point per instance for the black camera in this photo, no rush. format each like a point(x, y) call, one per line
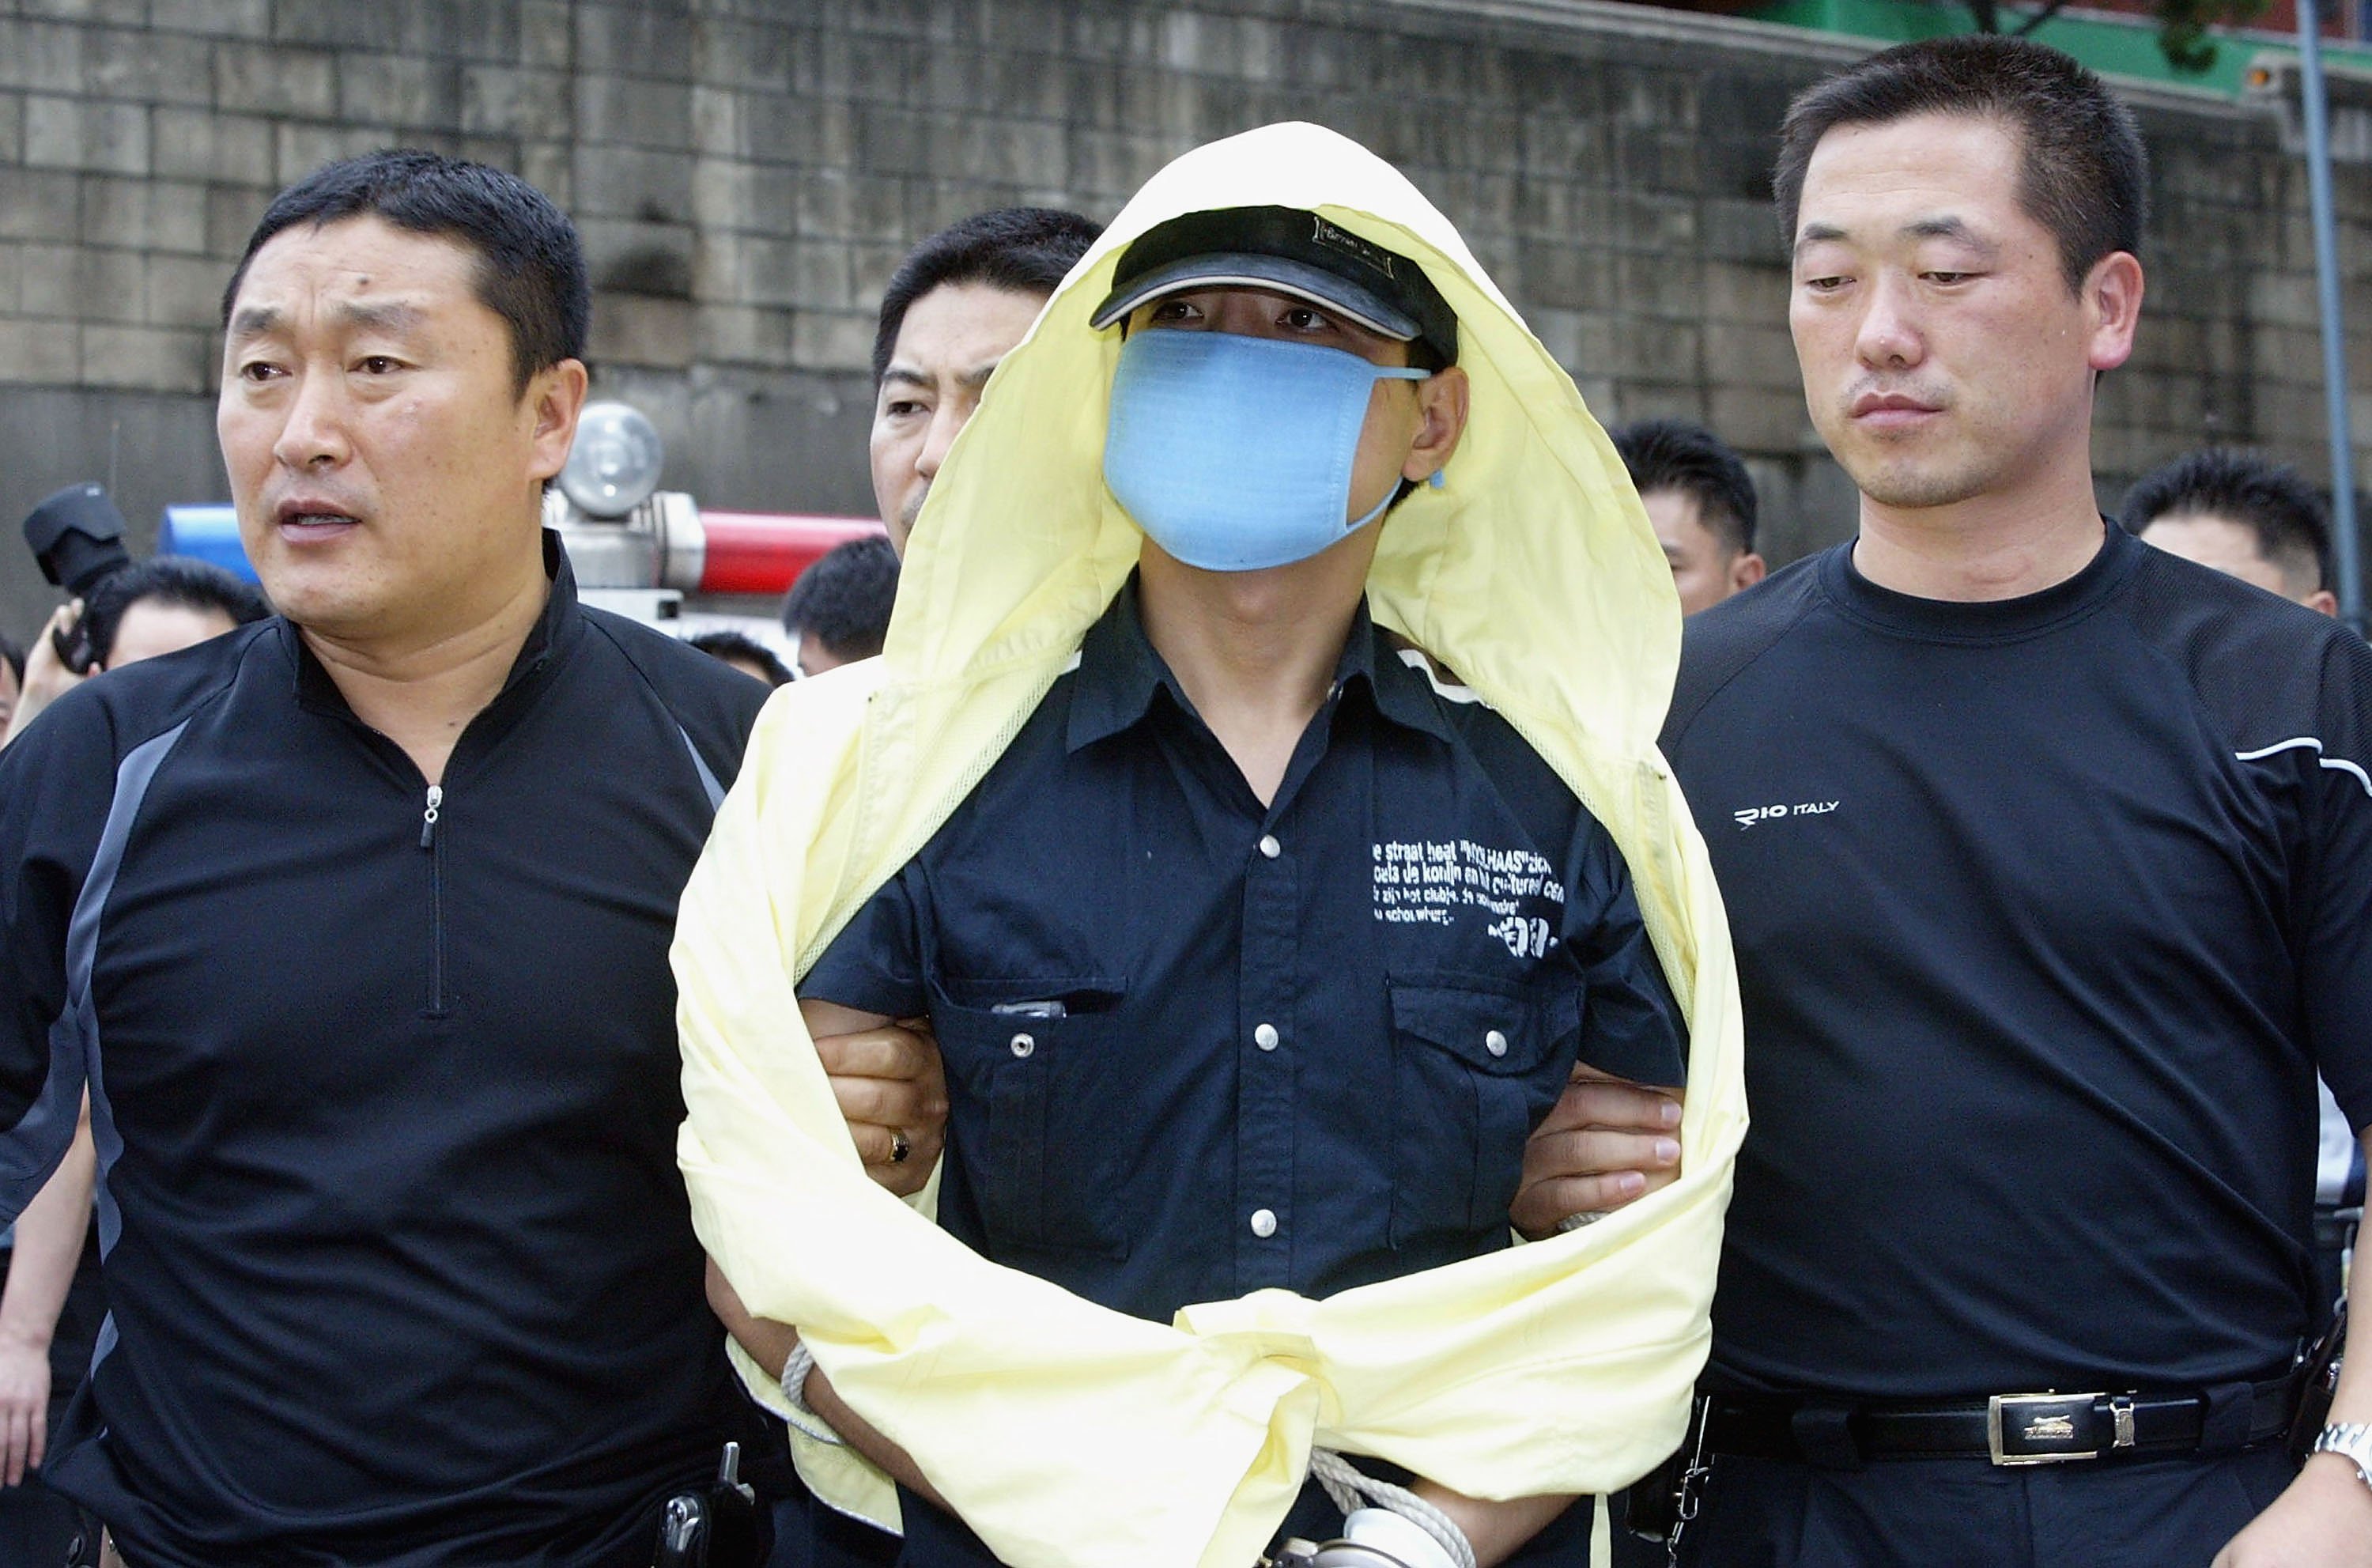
point(78, 536)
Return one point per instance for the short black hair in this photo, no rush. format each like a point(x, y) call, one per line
point(843, 601)
point(728, 645)
point(1676, 454)
point(530, 263)
point(2083, 173)
point(2293, 533)
point(178, 580)
point(1025, 249)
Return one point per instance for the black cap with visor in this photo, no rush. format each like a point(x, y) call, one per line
point(1293, 252)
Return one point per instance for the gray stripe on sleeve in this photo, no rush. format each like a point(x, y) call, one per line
point(31, 1150)
point(132, 782)
point(707, 777)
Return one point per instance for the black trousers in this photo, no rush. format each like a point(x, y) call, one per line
point(2172, 1513)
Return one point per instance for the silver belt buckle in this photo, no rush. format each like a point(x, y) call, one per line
point(2045, 1428)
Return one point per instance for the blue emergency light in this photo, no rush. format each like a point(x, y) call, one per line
point(205, 533)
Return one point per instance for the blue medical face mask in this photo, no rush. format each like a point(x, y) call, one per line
point(1234, 453)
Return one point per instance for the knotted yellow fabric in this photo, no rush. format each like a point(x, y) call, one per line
point(1066, 1434)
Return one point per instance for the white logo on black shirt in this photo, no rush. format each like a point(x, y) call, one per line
point(1525, 938)
point(1753, 814)
point(1426, 883)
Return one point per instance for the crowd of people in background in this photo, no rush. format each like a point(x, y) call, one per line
point(434, 760)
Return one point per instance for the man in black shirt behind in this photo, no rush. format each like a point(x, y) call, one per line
point(1701, 500)
point(2048, 858)
point(356, 921)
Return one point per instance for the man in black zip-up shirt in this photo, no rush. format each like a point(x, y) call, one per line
point(357, 922)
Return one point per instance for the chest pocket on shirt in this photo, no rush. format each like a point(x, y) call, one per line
point(1029, 1120)
point(1477, 1062)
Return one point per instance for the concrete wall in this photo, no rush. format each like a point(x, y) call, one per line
point(747, 175)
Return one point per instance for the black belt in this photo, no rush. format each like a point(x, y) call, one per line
point(2008, 1429)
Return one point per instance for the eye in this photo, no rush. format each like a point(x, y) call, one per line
point(899, 408)
point(378, 365)
point(1827, 284)
point(259, 370)
point(1172, 312)
point(1303, 319)
point(1947, 278)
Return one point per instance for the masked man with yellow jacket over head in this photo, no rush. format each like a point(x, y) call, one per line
point(1256, 940)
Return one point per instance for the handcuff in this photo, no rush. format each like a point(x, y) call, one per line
point(1371, 1537)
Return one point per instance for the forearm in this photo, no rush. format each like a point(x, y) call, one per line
point(2324, 1517)
point(2332, 1483)
point(2351, 1401)
point(771, 1344)
point(1494, 1530)
point(28, 704)
point(48, 1245)
point(862, 1435)
point(46, 676)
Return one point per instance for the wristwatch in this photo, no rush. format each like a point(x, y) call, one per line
point(2353, 1440)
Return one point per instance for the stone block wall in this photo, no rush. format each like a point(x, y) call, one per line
point(747, 172)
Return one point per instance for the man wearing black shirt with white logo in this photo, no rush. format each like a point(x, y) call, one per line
point(2048, 862)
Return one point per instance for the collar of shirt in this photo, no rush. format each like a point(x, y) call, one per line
point(1119, 672)
point(318, 692)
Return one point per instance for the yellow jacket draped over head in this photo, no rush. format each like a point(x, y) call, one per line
point(1066, 1434)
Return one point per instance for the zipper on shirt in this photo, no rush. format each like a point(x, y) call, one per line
point(428, 840)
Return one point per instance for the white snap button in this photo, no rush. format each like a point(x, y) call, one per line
point(1270, 847)
point(1023, 1045)
point(1495, 1043)
point(1263, 1222)
point(1265, 1037)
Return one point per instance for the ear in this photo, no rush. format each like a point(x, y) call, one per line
point(1746, 569)
point(1442, 400)
point(2322, 601)
point(2112, 304)
point(556, 394)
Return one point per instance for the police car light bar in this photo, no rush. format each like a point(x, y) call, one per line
point(740, 552)
point(763, 552)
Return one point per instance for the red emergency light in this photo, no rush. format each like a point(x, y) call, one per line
point(763, 552)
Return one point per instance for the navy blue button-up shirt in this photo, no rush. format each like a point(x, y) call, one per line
point(1197, 1046)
